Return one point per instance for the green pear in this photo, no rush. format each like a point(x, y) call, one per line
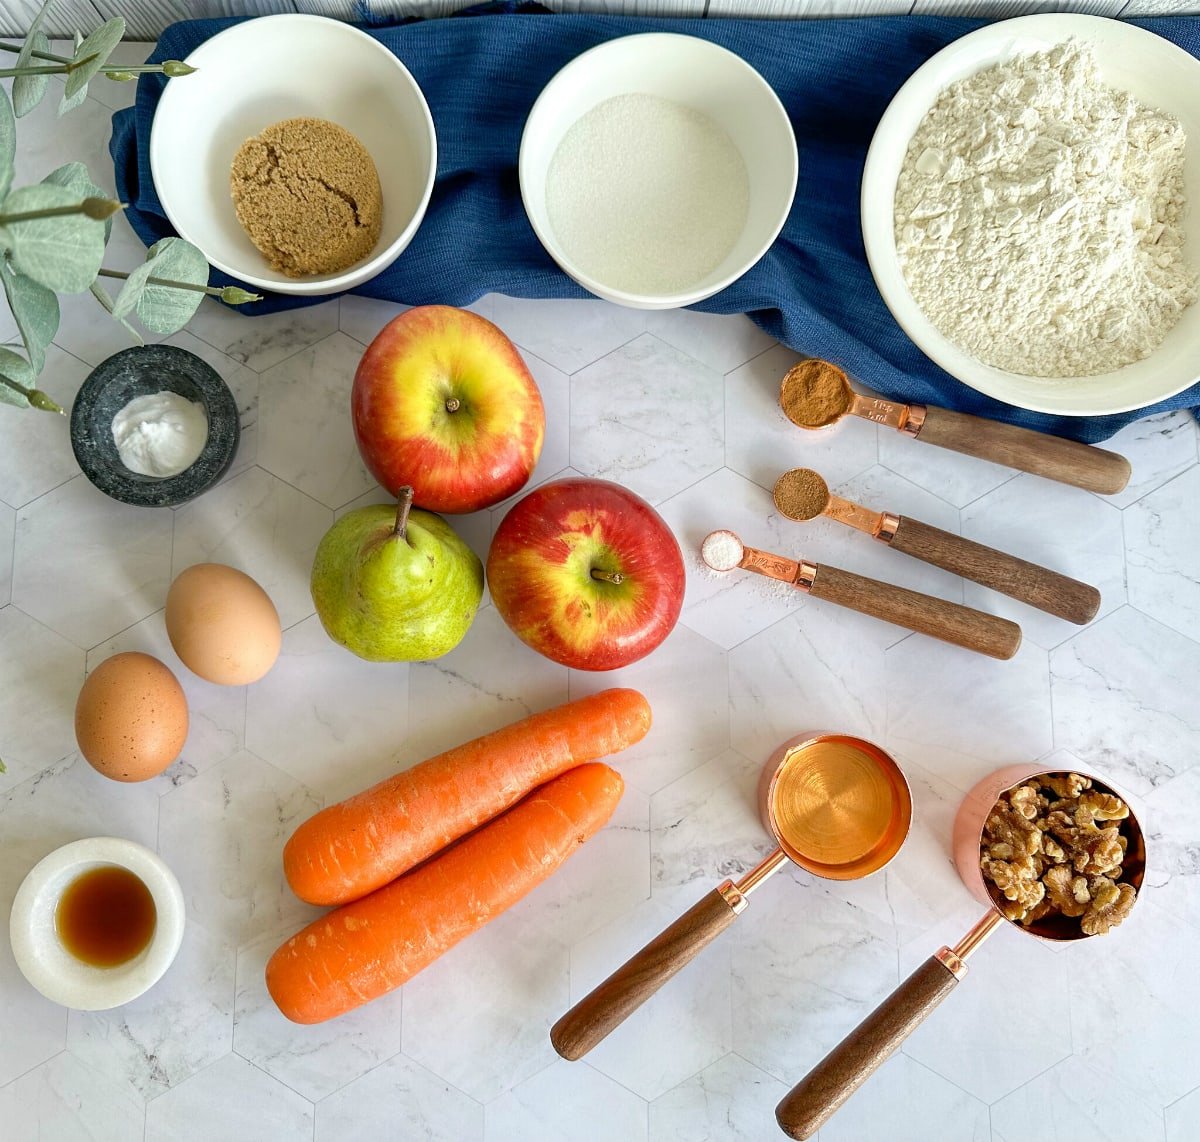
point(394, 584)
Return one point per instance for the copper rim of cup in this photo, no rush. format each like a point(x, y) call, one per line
point(969, 824)
point(773, 783)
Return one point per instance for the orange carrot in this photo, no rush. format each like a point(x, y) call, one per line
point(358, 845)
point(371, 946)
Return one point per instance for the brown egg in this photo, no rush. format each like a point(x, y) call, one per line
point(222, 624)
point(131, 718)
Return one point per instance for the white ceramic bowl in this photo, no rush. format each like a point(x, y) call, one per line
point(697, 74)
point(282, 67)
point(40, 954)
point(1155, 72)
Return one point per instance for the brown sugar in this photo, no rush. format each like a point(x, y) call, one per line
point(801, 494)
point(306, 191)
point(814, 393)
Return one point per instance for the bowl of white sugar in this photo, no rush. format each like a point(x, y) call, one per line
point(1028, 212)
point(154, 426)
point(657, 168)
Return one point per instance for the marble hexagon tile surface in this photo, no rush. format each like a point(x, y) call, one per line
point(1036, 1044)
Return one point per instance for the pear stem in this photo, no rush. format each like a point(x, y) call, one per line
point(614, 577)
point(453, 404)
point(402, 510)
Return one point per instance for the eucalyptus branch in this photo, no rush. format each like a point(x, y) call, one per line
point(35, 397)
point(97, 209)
point(231, 295)
point(172, 68)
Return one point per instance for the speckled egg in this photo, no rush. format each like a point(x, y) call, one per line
point(222, 624)
point(131, 719)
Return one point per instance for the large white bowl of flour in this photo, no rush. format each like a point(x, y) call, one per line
point(1158, 75)
point(657, 168)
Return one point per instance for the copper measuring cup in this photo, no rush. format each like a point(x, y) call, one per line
point(837, 806)
point(1018, 578)
point(810, 1104)
point(926, 614)
point(1067, 461)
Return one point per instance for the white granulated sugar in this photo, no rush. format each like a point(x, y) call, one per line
point(645, 195)
point(1039, 218)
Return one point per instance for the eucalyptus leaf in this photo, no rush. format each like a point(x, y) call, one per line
point(27, 90)
point(29, 46)
point(164, 308)
point(8, 143)
point(99, 45)
point(63, 253)
point(16, 368)
point(77, 178)
point(35, 309)
point(101, 295)
point(70, 102)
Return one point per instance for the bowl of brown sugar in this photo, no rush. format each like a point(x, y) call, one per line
point(300, 156)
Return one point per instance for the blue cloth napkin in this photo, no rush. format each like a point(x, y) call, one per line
point(813, 290)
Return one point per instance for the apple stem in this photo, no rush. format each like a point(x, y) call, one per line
point(614, 577)
point(402, 510)
point(453, 404)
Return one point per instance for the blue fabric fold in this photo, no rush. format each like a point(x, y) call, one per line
point(813, 290)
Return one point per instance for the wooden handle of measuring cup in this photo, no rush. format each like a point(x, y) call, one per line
point(813, 1100)
point(1067, 461)
point(610, 1003)
point(951, 622)
point(1019, 579)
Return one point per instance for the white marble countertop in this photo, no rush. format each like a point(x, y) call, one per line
point(1095, 1040)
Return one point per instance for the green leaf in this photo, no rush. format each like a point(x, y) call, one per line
point(28, 47)
point(102, 297)
point(27, 90)
point(77, 178)
point(8, 143)
point(70, 102)
point(35, 309)
point(16, 368)
point(164, 308)
point(99, 46)
point(62, 253)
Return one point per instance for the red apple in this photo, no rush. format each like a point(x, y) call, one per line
point(443, 402)
point(587, 573)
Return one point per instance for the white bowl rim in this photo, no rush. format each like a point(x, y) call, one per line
point(654, 300)
point(98, 994)
point(360, 272)
point(879, 242)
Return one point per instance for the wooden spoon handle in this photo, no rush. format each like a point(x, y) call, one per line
point(610, 1003)
point(1067, 461)
point(813, 1100)
point(951, 622)
point(1019, 579)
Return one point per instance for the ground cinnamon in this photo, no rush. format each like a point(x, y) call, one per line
point(814, 393)
point(801, 494)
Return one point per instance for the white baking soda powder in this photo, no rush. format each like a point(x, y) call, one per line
point(160, 434)
point(645, 195)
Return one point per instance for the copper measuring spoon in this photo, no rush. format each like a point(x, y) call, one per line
point(951, 622)
point(801, 494)
point(837, 806)
point(815, 393)
point(812, 1101)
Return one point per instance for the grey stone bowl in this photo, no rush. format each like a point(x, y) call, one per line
point(137, 372)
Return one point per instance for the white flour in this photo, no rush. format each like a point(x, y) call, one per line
point(646, 195)
point(1039, 218)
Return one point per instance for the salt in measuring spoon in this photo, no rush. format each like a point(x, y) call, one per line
point(951, 622)
point(815, 393)
point(801, 494)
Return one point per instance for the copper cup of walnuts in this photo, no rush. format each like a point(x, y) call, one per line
point(1058, 853)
